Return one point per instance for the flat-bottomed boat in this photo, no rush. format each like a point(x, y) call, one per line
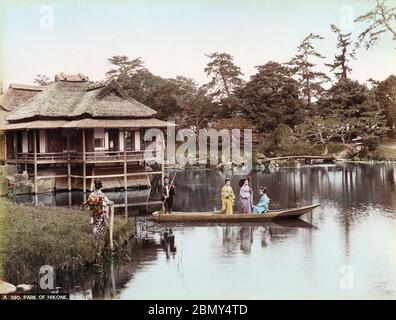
point(179, 216)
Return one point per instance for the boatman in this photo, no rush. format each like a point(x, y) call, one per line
point(167, 194)
point(227, 198)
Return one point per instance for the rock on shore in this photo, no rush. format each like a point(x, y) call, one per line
point(6, 288)
point(24, 287)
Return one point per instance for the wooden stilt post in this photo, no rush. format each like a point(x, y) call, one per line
point(68, 164)
point(35, 161)
point(84, 164)
point(162, 166)
point(5, 147)
point(125, 169)
point(126, 203)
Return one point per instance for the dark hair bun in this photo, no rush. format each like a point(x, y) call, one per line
point(98, 184)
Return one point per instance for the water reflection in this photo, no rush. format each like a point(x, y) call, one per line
point(115, 277)
point(355, 226)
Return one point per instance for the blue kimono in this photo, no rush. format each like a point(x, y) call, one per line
point(262, 205)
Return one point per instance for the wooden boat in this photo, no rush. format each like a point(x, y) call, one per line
point(236, 217)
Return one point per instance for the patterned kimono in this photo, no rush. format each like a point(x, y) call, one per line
point(227, 199)
point(99, 205)
point(262, 205)
point(246, 199)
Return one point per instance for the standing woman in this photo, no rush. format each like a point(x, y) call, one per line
point(227, 198)
point(246, 196)
point(99, 206)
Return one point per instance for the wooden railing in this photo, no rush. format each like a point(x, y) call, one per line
point(29, 156)
point(139, 155)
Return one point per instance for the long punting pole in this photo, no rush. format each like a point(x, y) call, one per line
point(35, 161)
point(84, 164)
point(111, 227)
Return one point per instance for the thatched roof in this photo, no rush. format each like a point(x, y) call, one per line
point(18, 94)
point(88, 123)
point(71, 97)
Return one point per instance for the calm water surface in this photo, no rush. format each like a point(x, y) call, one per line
point(344, 249)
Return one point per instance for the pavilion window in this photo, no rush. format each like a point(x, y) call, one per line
point(99, 139)
point(129, 141)
point(99, 143)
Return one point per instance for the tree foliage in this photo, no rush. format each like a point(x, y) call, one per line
point(271, 97)
point(381, 19)
point(340, 65)
point(355, 108)
point(224, 74)
point(42, 80)
point(385, 93)
point(303, 68)
point(124, 68)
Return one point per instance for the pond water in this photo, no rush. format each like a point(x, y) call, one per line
point(345, 249)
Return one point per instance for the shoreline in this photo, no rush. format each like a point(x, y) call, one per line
point(63, 232)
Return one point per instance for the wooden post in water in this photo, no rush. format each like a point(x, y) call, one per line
point(111, 227)
point(15, 142)
point(5, 147)
point(35, 161)
point(68, 164)
point(84, 164)
point(125, 168)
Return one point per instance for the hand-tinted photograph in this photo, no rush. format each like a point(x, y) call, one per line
point(198, 150)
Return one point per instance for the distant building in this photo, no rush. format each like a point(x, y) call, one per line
point(75, 131)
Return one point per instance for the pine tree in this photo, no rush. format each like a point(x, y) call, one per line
point(381, 19)
point(311, 81)
point(125, 68)
point(340, 65)
point(225, 75)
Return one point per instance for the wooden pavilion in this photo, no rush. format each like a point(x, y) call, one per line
point(75, 131)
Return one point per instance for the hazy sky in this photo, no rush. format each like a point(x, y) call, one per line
point(172, 37)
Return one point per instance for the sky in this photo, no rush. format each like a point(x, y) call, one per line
point(172, 37)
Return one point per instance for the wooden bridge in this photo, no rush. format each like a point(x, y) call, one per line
point(307, 159)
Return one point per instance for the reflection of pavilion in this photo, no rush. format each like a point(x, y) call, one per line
point(131, 202)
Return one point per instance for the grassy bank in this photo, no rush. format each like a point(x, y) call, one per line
point(297, 148)
point(384, 152)
point(59, 237)
point(3, 210)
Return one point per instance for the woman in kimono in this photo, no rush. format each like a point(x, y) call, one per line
point(246, 196)
point(263, 205)
point(99, 206)
point(227, 198)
